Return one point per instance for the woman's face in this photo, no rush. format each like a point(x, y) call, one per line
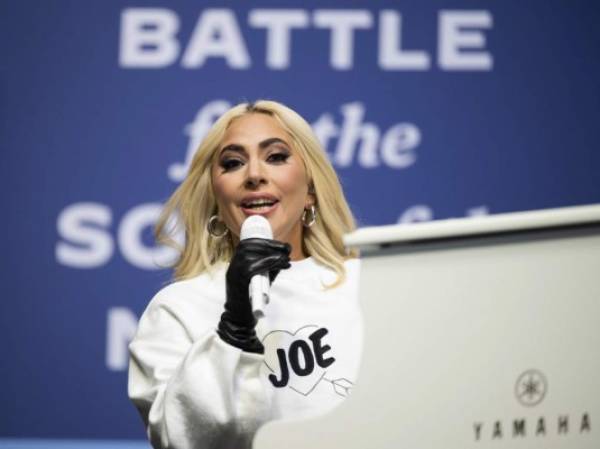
point(257, 172)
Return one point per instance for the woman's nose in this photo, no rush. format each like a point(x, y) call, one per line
point(255, 175)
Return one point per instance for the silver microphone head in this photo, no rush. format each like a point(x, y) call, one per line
point(256, 226)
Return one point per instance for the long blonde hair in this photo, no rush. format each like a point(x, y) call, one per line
point(193, 203)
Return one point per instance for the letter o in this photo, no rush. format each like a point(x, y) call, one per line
point(294, 355)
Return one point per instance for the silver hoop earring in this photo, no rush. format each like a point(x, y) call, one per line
point(212, 227)
point(309, 216)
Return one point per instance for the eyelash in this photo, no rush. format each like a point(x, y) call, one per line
point(230, 164)
point(277, 157)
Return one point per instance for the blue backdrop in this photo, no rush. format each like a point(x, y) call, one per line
point(428, 110)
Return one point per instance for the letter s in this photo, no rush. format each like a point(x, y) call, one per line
point(85, 244)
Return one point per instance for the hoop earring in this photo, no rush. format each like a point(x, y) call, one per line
point(211, 227)
point(313, 216)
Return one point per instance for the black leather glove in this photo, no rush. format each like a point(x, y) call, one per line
point(252, 256)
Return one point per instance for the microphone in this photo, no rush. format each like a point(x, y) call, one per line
point(257, 226)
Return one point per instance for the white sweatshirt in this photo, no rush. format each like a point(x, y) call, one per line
point(195, 391)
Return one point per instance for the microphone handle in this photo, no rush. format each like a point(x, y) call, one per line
point(259, 294)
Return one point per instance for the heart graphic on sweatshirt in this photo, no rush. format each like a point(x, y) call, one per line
point(297, 359)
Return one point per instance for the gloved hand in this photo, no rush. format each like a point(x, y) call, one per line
point(252, 256)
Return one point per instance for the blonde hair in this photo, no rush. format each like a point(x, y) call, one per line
point(193, 203)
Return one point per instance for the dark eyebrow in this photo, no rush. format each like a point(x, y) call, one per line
point(262, 145)
point(233, 147)
point(270, 141)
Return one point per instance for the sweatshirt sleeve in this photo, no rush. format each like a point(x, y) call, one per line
point(193, 391)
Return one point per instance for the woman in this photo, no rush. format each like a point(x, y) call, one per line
point(204, 372)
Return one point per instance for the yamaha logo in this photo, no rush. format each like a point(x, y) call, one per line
point(531, 388)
